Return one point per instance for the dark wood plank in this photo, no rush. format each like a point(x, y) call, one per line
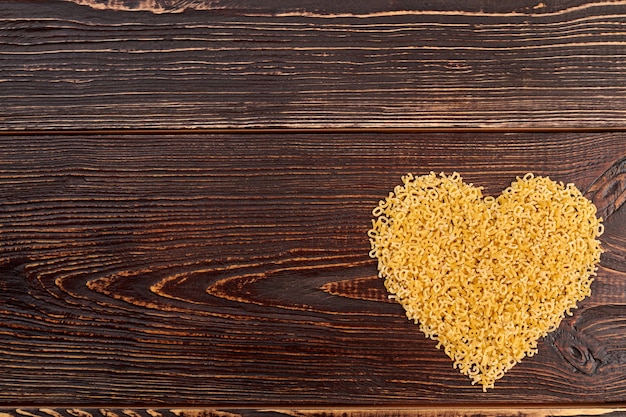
point(233, 270)
point(319, 64)
point(325, 7)
point(352, 412)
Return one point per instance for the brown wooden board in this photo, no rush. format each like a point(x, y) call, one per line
point(351, 412)
point(233, 270)
point(259, 64)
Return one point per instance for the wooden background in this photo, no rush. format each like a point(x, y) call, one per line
point(186, 188)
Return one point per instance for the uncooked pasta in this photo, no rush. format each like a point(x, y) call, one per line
point(486, 277)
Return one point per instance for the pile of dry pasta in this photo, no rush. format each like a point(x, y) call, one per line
point(486, 277)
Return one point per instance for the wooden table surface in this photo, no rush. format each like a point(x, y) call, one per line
point(186, 188)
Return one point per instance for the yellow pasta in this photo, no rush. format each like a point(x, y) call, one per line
point(486, 277)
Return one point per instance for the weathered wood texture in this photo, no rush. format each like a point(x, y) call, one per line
point(352, 412)
point(222, 64)
point(228, 270)
point(231, 270)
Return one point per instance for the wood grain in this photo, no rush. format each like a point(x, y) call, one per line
point(324, 7)
point(233, 270)
point(352, 412)
point(129, 64)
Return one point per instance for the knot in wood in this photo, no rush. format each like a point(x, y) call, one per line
point(576, 349)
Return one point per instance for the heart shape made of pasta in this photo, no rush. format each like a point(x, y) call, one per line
point(486, 277)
